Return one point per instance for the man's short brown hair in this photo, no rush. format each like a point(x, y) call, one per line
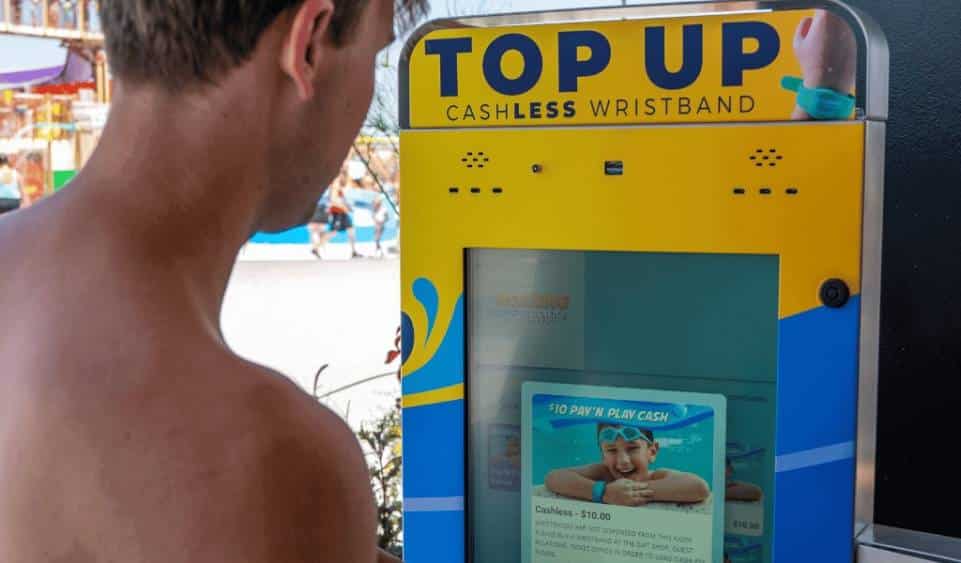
point(179, 42)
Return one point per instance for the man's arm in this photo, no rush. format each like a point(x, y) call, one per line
point(319, 506)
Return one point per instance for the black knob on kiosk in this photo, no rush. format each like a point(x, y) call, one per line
point(835, 293)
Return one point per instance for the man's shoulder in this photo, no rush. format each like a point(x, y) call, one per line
point(281, 411)
point(305, 460)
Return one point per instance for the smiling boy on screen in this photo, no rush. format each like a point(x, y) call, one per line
point(624, 475)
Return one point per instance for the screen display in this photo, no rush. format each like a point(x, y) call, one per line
point(621, 406)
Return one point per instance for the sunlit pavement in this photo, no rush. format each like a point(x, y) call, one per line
point(295, 315)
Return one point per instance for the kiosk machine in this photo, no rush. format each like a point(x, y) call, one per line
point(641, 273)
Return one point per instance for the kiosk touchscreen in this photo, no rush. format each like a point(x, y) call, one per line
point(640, 284)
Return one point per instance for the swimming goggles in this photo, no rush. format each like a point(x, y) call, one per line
point(628, 433)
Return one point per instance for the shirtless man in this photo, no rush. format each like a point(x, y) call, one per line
point(129, 432)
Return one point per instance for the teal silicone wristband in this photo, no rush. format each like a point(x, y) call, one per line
point(597, 495)
point(820, 103)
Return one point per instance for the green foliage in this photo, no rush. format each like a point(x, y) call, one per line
point(382, 441)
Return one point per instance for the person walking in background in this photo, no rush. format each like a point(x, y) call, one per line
point(339, 210)
point(380, 213)
point(393, 216)
point(317, 227)
point(33, 182)
point(368, 183)
point(9, 186)
point(383, 211)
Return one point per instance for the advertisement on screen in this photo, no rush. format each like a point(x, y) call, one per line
point(613, 475)
point(580, 324)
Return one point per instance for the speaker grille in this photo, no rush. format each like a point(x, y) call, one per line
point(769, 158)
point(475, 160)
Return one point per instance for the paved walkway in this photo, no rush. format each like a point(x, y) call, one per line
point(295, 316)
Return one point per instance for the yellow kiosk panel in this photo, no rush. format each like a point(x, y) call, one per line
point(638, 286)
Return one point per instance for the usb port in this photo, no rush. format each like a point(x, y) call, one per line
point(614, 168)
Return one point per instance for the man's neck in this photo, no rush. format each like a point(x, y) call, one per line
point(181, 180)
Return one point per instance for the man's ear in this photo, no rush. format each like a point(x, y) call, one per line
point(300, 59)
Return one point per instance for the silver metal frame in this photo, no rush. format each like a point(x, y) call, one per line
point(878, 543)
point(869, 346)
point(871, 554)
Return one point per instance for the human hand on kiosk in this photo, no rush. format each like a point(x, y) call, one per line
point(625, 492)
point(827, 51)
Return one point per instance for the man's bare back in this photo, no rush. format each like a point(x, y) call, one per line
point(129, 432)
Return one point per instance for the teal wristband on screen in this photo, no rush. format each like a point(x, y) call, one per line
point(598, 494)
point(820, 103)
